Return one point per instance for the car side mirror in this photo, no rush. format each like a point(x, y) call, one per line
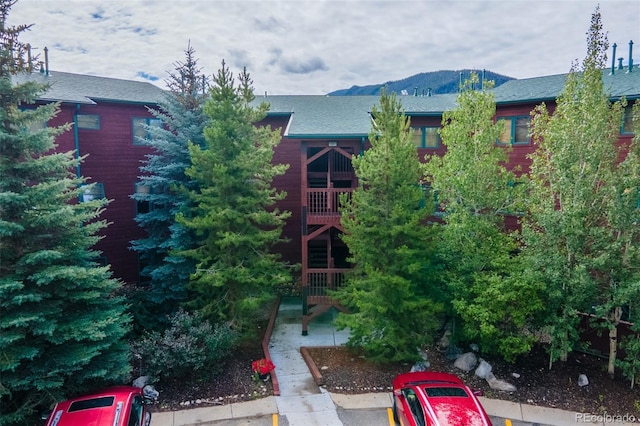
point(478, 392)
point(45, 414)
point(397, 392)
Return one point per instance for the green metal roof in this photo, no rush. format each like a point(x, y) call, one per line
point(87, 89)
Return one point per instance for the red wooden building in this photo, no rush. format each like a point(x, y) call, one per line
point(106, 113)
point(319, 135)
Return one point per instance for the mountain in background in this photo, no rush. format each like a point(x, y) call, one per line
point(438, 82)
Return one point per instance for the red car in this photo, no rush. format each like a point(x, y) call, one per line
point(116, 406)
point(430, 399)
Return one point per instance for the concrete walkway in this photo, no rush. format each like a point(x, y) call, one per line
point(302, 403)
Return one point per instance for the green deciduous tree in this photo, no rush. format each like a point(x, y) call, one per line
point(181, 112)
point(394, 290)
point(581, 234)
point(233, 212)
point(61, 327)
point(476, 190)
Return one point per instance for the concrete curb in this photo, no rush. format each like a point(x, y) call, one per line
point(206, 415)
point(493, 407)
point(265, 345)
point(313, 368)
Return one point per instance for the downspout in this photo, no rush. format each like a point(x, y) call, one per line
point(76, 139)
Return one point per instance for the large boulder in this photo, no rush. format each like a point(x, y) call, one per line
point(140, 382)
point(498, 384)
point(466, 361)
point(420, 366)
point(483, 369)
point(583, 380)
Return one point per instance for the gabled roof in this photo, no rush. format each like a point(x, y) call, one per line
point(546, 88)
point(323, 116)
point(89, 89)
point(319, 116)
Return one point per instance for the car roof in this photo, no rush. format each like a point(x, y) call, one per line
point(444, 397)
point(100, 408)
point(453, 409)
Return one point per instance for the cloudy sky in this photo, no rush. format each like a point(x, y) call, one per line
point(317, 46)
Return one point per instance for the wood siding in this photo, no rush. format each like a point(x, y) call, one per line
point(113, 160)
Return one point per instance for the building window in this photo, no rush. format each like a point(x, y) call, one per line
point(426, 137)
point(91, 192)
point(33, 126)
point(627, 120)
point(143, 197)
point(515, 130)
point(143, 277)
point(430, 195)
point(143, 205)
point(88, 121)
point(141, 129)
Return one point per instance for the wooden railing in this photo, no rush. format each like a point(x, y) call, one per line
point(321, 279)
point(325, 201)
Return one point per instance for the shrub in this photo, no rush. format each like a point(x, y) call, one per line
point(189, 347)
point(630, 366)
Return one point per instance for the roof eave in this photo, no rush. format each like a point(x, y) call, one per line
point(424, 114)
point(328, 136)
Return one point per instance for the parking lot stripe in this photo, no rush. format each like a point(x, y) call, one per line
point(274, 419)
point(390, 417)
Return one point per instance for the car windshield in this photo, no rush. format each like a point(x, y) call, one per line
point(445, 391)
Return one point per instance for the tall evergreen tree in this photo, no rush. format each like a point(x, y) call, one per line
point(181, 112)
point(62, 328)
point(475, 190)
point(394, 290)
point(581, 236)
point(232, 205)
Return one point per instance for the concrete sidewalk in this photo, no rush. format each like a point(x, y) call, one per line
point(303, 403)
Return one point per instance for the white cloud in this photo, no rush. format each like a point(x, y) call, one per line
point(314, 47)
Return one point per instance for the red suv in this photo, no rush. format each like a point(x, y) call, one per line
point(431, 399)
point(116, 406)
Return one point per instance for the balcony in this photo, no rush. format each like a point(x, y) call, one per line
point(319, 281)
point(323, 204)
